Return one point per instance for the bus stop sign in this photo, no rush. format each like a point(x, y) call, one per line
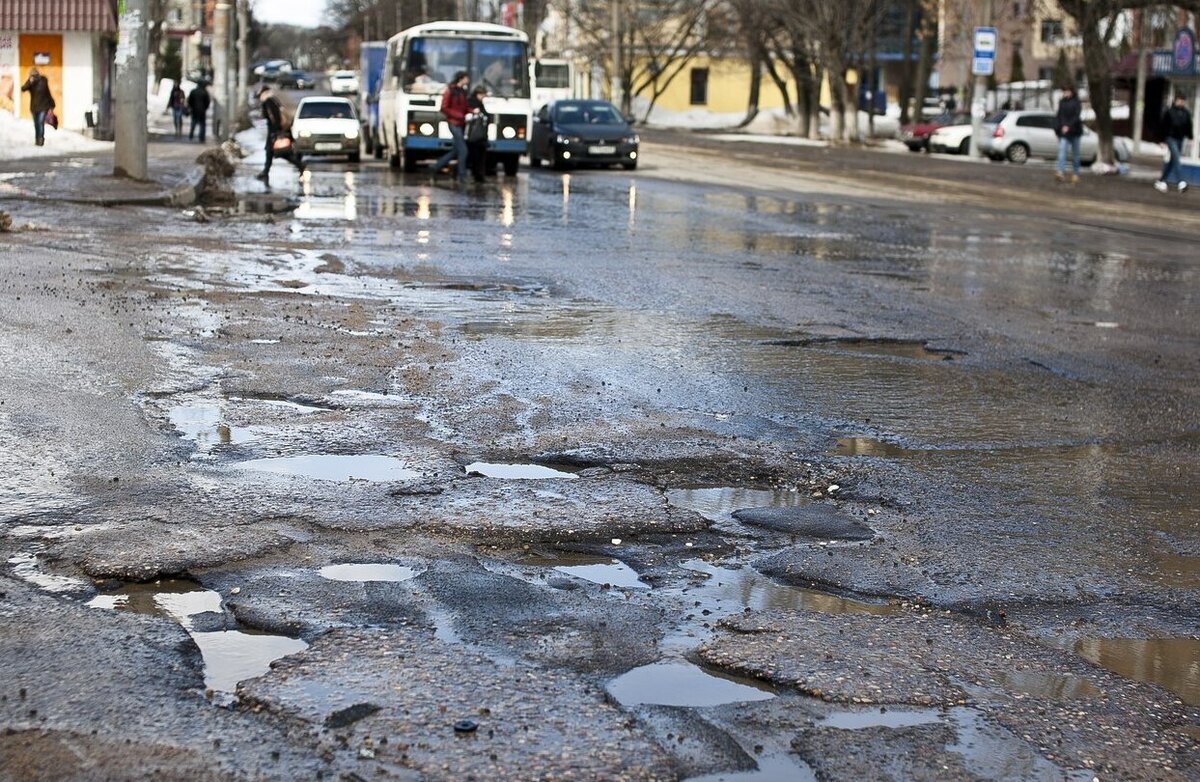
point(984, 61)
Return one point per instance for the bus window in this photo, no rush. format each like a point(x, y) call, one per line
point(552, 76)
point(500, 66)
point(430, 63)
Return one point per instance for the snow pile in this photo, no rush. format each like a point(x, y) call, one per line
point(16, 140)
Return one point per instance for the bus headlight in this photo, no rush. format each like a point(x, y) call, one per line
point(351, 134)
point(509, 132)
point(305, 133)
point(426, 129)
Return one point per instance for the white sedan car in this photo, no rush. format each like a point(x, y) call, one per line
point(343, 83)
point(954, 139)
point(326, 126)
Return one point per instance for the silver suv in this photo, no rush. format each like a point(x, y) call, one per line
point(1017, 136)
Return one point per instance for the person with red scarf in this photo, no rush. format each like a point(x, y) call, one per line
point(455, 109)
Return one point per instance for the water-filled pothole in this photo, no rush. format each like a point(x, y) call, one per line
point(326, 467)
point(718, 503)
point(365, 571)
point(869, 446)
point(605, 571)
point(28, 567)
point(729, 590)
point(1172, 663)
point(230, 656)
point(914, 349)
point(1055, 686)
point(880, 718)
point(679, 683)
point(516, 471)
point(206, 426)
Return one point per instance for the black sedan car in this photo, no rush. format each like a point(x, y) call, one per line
point(297, 80)
point(574, 132)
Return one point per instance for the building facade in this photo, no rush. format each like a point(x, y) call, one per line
point(68, 41)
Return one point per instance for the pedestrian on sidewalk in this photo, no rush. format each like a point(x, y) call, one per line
point(476, 133)
point(1068, 126)
point(272, 112)
point(198, 102)
point(40, 102)
point(1177, 126)
point(177, 103)
point(455, 110)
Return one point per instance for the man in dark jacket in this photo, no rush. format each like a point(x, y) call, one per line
point(1177, 126)
point(40, 102)
point(455, 109)
point(198, 102)
point(272, 112)
point(1068, 126)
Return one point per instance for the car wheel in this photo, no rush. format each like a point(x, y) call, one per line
point(410, 163)
point(355, 157)
point(1017, 153)
point(630, 166)
point(912, 147)
point(559, 163)
point(512, 164)
point(965, 147)
point(535, 160)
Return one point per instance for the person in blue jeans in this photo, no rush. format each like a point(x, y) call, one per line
point(40, 102)
point(1177, 126)
point(1068, 126)
point(455, 108)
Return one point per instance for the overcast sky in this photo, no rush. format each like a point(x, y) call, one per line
point(306, 13)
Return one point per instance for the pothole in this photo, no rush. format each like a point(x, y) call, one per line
point(869, 446)
point(367, 572)
point(913, 349)
point(28, 567)
point(729, 590)
point(718, 503)
point(206, 426)
point(230, 656)
point(880, 718)
point(1171, 663)
point(605, 571)
point(1055, 686)
point(328, 467)
point(528, 472)
point(679, 683)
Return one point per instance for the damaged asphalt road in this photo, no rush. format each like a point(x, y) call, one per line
point(596, 476)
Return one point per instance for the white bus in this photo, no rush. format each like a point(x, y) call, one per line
point(422, 60)
point(552, 80)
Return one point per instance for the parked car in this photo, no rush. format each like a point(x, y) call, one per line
point(572, 132)
point(297, 80)
point(271, 70)
point(1016, 136)
point(343, 83)
point(952, 139)
point(916, 135)
point(326, 126)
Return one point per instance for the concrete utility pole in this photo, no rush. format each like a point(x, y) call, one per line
point(131, 60)
point(1139, 98)
point(979, 98)
point(615, 34)
point(243, 79)
point(220, 66)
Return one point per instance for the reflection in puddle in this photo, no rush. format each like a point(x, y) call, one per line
point(1057, 686)
point(683, 684)
point(327, 467)
point(869, 446)
point(912, 349)
point(516, 471)
point(205, 425)
point(1172, 663)
point(718, 504)
point(28, 567)
point(367, 572)
point(728, 590)
point(605, 571)
point(230, 656)
point(856, 720)
point(776, 766)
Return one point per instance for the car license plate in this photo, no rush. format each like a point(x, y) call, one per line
point(327, 146)
point(602, 150)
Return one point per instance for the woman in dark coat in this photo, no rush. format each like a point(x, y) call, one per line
point(477, 123)
point(40, 102)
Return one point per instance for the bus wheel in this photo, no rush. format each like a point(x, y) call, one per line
point(512, 164)
point(410, 163)
point(394, 154)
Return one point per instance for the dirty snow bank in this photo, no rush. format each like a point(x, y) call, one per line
point(16, 140)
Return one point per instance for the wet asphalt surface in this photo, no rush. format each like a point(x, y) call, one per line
point(532, 420)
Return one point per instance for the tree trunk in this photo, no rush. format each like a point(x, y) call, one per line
point(924, 65)
point(812, 108)
point(906, 79)
point(1099, 75)
point(781, 85)
point(756, 69)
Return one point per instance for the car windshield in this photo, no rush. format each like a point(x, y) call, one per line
point(430, 64)
point(587, 114)
point(344, 75)
point(326, 109)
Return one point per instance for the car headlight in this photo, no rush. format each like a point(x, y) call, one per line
point(509, 132)
point(305, 133)
point(352, 133)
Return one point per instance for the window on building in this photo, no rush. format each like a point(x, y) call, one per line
point(1046, 73)
point(699, 86)
point(1052, 30)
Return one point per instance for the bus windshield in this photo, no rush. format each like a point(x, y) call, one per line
point(430, 64)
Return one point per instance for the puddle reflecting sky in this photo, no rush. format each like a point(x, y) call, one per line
point(326, 467)
point(516, 471)
point(367, 572)
point(681, 683)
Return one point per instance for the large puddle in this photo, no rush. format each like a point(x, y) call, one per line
point(326, 467)
point(230, 656)
point(605, 571)
point(679, 683)
point(367, 572)
point(1172, 663)
point(717, 504)
point(729, 590)
point(206, 426)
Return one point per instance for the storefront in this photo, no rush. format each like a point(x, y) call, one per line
point(69, 42)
